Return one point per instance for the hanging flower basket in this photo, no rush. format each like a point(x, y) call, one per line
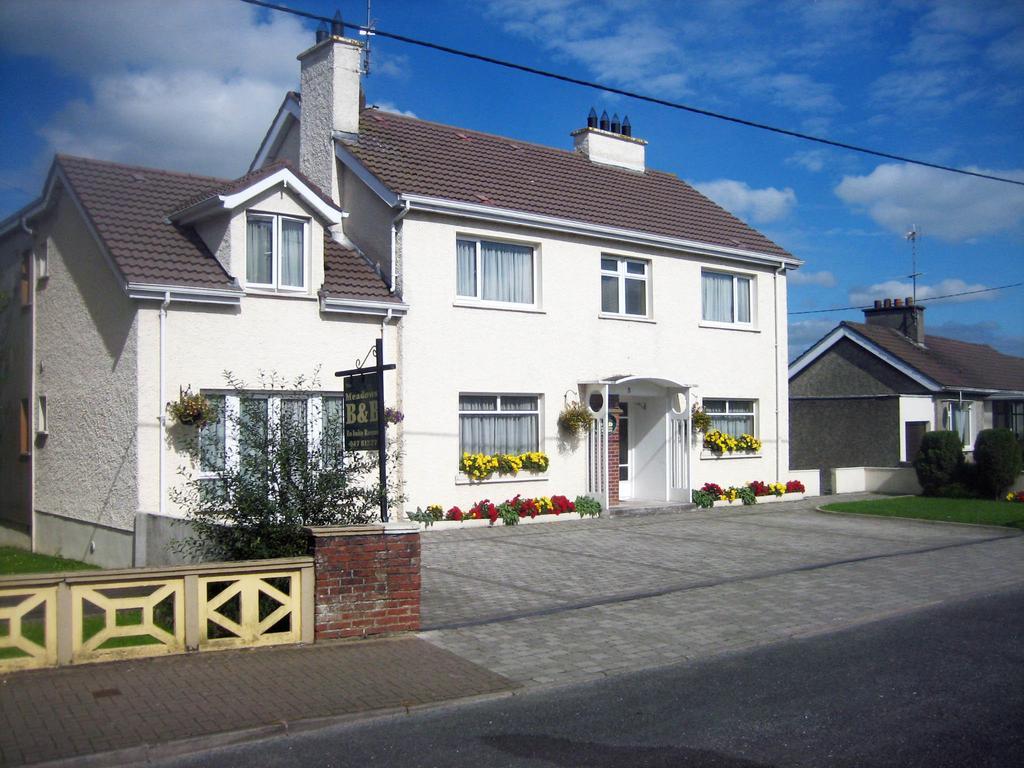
point(192, 409)
point(575, 418)
point(700, 419)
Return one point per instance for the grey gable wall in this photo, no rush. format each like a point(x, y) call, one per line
point(844, 410)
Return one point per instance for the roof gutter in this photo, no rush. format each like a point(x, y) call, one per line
point(571, 226)
point(386, 309)
point(168, 293)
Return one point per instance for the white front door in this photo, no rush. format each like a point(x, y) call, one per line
point(625, 455)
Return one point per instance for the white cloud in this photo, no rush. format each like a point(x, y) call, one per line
point(950, 206)
point(824, 279)
point(804, 333)
point(811, 159)
point(738, 197)
point(387, 106)
point(190, 85)
point(898, 289)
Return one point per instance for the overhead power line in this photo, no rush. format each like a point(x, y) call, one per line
point(630, 94)
point(929, 299)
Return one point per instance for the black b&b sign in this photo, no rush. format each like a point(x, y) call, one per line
point(362, 415)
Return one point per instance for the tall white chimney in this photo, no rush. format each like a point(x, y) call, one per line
point(330, 103)
point(610, 142)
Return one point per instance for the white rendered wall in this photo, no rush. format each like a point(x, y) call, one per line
point(914, 408)
point(450, 349)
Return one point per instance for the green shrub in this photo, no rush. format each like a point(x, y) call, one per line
point(997, 458)
point(938, 461)
point(703, 499)
point(587, 507)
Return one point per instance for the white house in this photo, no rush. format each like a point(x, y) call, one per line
point(508, 279)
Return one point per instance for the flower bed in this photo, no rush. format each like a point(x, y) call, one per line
point(713, 495)
point(480, 466)
point(510, 512)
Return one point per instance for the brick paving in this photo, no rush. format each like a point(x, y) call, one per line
point(70, 712)
point(570, 602)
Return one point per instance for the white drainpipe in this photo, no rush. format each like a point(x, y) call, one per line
point(778, 438)
point(162, 418)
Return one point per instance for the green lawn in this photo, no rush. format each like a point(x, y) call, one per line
point(13, 560)
point(976, 511)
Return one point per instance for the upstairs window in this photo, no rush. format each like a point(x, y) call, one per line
point(495, 272)
point(275, 252)
point(623, 286)
point(725, 298)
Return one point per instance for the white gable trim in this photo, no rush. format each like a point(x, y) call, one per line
point(843, 332)
point(289, 110)
point(328, 212)
point(154, 292)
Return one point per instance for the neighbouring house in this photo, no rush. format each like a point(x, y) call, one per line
point(865, 394)
point(509, 280)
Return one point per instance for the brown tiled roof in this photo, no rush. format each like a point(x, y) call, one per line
point(348, 275)
point(128, 206)
point(411, 156)
point(951, 363)
point(226, 187)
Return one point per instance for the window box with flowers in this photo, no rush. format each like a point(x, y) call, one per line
point(482, 467)
point(754, 492)
point(515, 511)
point(719, 444)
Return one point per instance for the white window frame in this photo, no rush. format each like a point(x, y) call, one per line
point(730, 412)
point(476, 300)
point(538, 412)
point(232, 411)
point(621, 274)
point(734, 323)
point(275, 247)
point(967, 408)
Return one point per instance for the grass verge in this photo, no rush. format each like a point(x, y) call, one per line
point(14, 561)
point(977, 511)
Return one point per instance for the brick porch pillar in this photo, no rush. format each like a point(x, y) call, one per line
point(613, 451)
point(367, 579)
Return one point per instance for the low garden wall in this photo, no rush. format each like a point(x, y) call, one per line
point(875, 480)
point(811, 479)
point(358, 581)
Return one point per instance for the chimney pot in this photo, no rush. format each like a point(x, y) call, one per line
point(616, 125)
point(878, 303)
point(627, 129)
point(604, 125)
point(322, 32)
point(337, 25)
point(897, 302)
point(592, 119)
point(909, 301)
point(887, 303)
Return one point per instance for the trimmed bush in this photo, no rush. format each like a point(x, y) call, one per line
point(997, 458)
point(939, 460)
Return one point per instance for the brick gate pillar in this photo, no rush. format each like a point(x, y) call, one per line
point(613, 451)
point(367, 579)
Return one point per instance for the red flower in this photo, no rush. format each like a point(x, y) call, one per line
point(714, 489)
point(760, 488)
point(795, 486)
point(453, 514)
point(562, 504)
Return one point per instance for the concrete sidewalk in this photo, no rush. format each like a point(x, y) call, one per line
point(132, 711)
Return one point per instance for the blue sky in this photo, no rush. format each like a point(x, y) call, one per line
point(192, 85)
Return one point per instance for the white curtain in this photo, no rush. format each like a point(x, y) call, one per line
point(466, 261)
point(716, 295)
point(491, 431)
point(742, 300)
point(259, 252)
point(507, 272)
point(291, 253)
point(733, 417)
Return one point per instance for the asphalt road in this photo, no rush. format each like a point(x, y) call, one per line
point(939, 687)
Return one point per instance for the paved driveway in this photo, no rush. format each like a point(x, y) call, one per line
point(572, 601)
